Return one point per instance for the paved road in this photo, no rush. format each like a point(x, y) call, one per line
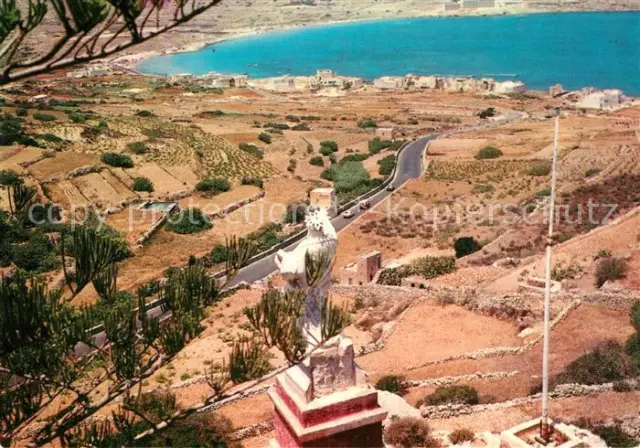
point(409, 167)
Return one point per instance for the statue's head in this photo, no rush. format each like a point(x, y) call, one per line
point(319, 224)
point(321, 237)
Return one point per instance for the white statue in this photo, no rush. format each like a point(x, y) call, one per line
point(321, 242)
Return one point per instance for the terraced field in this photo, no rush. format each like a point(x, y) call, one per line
point(119, 186)
point(472, 169)
point(95, 188)
point(62, 164)
point(163, 182)
point(71, 192)
point(175, 145)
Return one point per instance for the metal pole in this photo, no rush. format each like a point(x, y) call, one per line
point(544, 427)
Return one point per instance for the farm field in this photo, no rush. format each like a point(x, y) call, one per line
point(209, 150)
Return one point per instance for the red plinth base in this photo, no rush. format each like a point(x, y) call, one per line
point(348, 418)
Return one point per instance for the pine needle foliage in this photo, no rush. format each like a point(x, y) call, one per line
point(333, 319)
point(249, 359)
point(277, 319)
point(317, 266)
point(92, 251)
point(239, 252)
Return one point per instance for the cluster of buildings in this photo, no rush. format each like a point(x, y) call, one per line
point(601, 99)
point(210, 80)
point(592, 98)
point(91, 71)
point(323, 82)
point(449, 84)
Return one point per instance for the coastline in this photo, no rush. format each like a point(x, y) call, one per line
point(130, 62)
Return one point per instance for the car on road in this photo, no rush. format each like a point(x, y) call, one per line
point(348, 214)
point(391, 187)
point(365, 204)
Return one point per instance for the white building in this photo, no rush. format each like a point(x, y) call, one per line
point(282, 84)
point(425, 82)
point(180, 78)
point(389, 82)
point(607, 99)
point(90, 71)
point(507, 87)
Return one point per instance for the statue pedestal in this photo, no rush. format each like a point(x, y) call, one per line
point(325, 402)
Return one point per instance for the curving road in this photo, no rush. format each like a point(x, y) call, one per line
point(409, 166)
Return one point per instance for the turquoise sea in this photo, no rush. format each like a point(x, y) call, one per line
point(574, 49)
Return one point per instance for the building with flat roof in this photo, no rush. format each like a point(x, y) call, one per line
point(324, 198)
point(363, 270)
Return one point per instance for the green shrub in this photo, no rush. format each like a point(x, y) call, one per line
point(459, 436)
point(200, 430)
point(610, 269)
point(280, 126)
point(22, 112)
point(255, 181)
point(51, 138)
point(387, 164)
point(613, 435)
point(44, 117)
point(635, 316)
point(188, 221)
point(544, 192)
point(157, 406)
point(356, 157)
point(606, 363)
point(540, 169)
point(325, 151)
point(296, 212)
point(213, 185)
point(453, 395)
point(145, 113)
point(427, 267)
point(36, 255)
point(117, 160)
point(77, 117)
point(466, 245)
point(142, 183)
point(251, 149)
point(219, 254)
point(138, 147)
point(488, 152)
point(483, 188)
point(293, 118)
point(376, 145)
point(367, 123)
point(212, 113)
point(409, 432)
point(265, 138)
point(301, 127)
point(592, 172)
point(11, 131)
point(316, 161)
point(488, 112)
point(563, 271)
point(392, 383)
point(333, 146)
point(602, 253)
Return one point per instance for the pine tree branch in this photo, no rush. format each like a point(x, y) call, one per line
point(51, 61)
